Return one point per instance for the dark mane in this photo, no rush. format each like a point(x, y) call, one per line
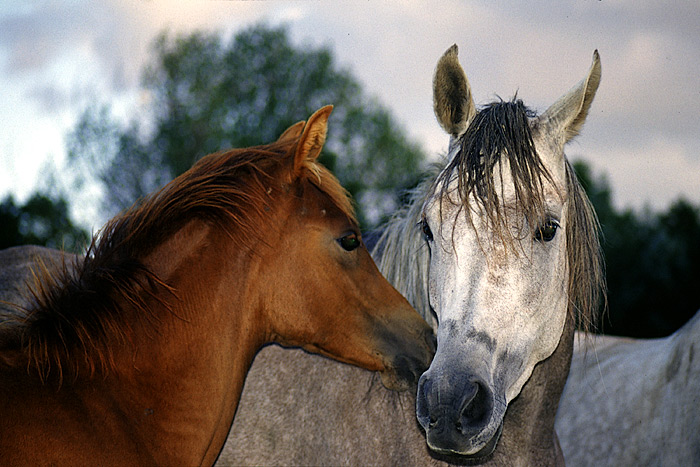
point(79, 313)
point(503, 129)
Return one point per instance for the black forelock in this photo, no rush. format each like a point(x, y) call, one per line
point(501, 129)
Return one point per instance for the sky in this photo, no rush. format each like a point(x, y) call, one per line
point(642, 134)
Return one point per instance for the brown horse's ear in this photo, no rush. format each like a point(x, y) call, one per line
point(293, 132)
point(312, 139)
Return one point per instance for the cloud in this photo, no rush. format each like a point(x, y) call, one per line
point(647, 108)
point(58, 50)
point(652, 174)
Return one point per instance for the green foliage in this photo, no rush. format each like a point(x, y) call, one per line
point(40, 221)
point(208, 95)
point(652, 263)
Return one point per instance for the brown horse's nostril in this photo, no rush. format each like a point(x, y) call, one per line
point(409, 369)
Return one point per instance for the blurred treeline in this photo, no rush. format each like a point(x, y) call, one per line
point(652, 263)
point(206, 93)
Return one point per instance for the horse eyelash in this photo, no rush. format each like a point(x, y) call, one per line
point(423, 225)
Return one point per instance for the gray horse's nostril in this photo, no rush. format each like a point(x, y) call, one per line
point(476, 408)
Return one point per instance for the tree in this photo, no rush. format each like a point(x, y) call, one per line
point(652, 263)
point(207, 94)
point(40, 221)
point(674, 264)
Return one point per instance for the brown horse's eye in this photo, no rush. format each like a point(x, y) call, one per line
point(349, 242)
point(547, 231)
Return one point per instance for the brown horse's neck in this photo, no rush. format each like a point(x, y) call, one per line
point(528, 436)
point(170, 393)
point(204, 348)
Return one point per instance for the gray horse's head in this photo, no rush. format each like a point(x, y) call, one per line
point(510, 234)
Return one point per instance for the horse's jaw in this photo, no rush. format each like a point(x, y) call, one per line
point(454, 457)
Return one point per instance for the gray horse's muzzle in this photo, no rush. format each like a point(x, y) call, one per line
point(455, 407)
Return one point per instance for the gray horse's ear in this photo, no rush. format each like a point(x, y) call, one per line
point(452, 96)
point(569, 112)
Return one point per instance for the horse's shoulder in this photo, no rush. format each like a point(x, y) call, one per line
point(24, 254)
point(690, 330)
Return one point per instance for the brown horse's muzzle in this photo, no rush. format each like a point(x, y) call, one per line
point(408, 346)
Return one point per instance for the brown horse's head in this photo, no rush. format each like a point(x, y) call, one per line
point(323, 290)
point(264, 238)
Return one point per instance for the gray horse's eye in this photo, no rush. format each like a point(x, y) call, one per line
point(425, 228)
point(547, 231)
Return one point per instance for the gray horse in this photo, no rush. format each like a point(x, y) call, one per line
point(633, 401)
point(513, 256)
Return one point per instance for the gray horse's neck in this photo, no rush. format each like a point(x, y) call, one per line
point(528, 427)
point(528, 436)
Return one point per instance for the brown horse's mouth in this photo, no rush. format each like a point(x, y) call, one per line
point(402, 376)
point(409, 363)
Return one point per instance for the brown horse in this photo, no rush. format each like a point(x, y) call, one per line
point(138, 354)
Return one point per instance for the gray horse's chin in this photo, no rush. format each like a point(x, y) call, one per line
point(488, 449)
point(456, 457)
